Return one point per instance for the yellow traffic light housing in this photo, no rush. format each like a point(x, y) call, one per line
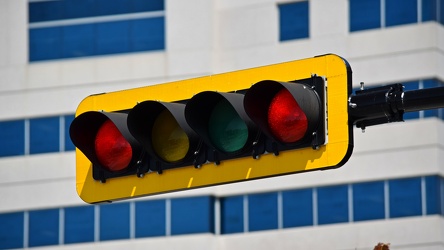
point(217, 129)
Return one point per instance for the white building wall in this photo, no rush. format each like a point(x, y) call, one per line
point(206, 37)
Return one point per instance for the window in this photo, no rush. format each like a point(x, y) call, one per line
point(332, 204)
point(373, 14)
point(192, 215)
point(365, 14)
point(405, 197)
point(433, 10)
point(433, 194)
point(398, 12)
point(11, 230)
point(297, 208)
point(262, 211)
point(12, 138)
point(79, 224)
point(69, 29)
point(44, 135)
point(293, 20)
point(368, 201)
point(44, 227)
point(232, 214)
point(114, 221)
point(150, 218)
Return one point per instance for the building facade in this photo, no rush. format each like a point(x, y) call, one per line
point(54, 53)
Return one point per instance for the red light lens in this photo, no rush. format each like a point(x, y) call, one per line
point(286, 119)
point(112, 149)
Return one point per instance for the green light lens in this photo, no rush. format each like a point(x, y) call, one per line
point(169, 140)
point(226, 129)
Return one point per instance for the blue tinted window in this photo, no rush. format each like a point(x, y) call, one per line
point(433, 194)
point(399, 12)
point(368, 201)
point(78, 40)
point(405, 197)
point(43, 227)
point(44, 135)
point(232, 214)
point(45, 11)
point(107, 7)
point(150, 218)
point(293, 21)
point(143, 5)
point(365, 14)
point(45, 43)
point(12, 138)
point(11, 230)
point(114, 221)
point(297, 208)
point(262, 211)
point(411, 86)
point(332, 204)
point(79, 224)
point(429, 10)
point(70, 9)
point(68, 143)
point(192, 215)
point(112, 37)
point(148, 34)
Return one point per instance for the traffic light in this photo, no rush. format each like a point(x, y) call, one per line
point(105, 139)
point(268, 121)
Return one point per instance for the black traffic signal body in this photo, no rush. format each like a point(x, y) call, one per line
point(105, 139)
point(241, 131)
point(291, 114)
point(224, 126)
point(162, 130)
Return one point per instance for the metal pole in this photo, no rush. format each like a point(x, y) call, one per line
point(423, 99)
point(386, 104)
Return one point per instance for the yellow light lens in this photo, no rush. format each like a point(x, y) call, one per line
point(169, 140)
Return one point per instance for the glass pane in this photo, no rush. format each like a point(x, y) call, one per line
point(368, 201)
point(44, 135)
point(78, 40)
point(12, 138)
point(429, 10)
point(11, 230)
point(399, 12)
point(112, 37)
point(365, 14)
point(293, 20)
point(114, 221)
point(44, 227)
point(405, 197)
point(192, 215)
point(45, 43)
point(433, 195)
point(143, 5)
point(232, 214)
point(150, 218)
point(79, 224)
point(148, 34)
point(332, 204)
point(45, 11)
point(262, 211)
point(297, 208)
